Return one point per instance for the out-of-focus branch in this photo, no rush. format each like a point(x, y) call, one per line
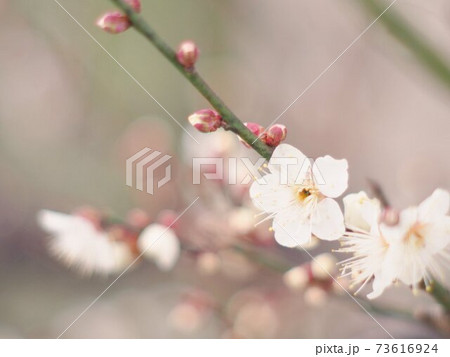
point(441, 295)
point(412, 40)
point(234, 124)
point(378, 192)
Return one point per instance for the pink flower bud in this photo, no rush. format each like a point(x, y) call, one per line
point(390, 216)
point(187, 54)
point(274, 135)
point(205, 120)
point(113, 22)
point(135, 4)
point(255, 129)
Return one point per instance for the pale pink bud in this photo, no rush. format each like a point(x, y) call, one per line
point(168, 218)
point(91, 214)
point(187, 54)
point(324, 266)
point(208, 263)
point(205, 120)
point(315, 296)
point(113, 22)
point(138, 218)
point(390, 216)
point(135, 4)
point(192, 312)
point(297, 278)
point(274, 135)
point(255, 128)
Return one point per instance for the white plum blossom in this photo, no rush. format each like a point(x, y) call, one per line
point(414, 250)
point(159, 244)
point(353, 204)
point(78, 243)
point(419, 243)
point(367, 244)
point(299, 196)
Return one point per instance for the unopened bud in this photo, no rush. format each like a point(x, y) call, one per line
point(135, 4)
point(185, 318)
point(138, 218)
point(255, 128)
point(274, 135)
point(324, 267)
point(208, 263)
point(168, 218)
point(205, 120)
point(315, 296)
point(390, 216)
point(90, 214)
point(296, 278)
point(187, 54)
point(113, 22)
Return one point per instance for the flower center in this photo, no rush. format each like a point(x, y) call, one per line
point(303, 194)
point(414, 236)
point(307, 194)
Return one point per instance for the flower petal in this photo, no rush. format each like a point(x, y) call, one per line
point(328, 220)
point(382, 279)
point(289, 230)
point(56, 222)
point(160, 244)
point(435, 206)
point(269, 195)
point(292, 166)
point(437, 235)
point(361, 212)
point(331, 176)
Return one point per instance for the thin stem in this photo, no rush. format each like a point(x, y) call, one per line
point(265, 260)
point(234, 124)
point(411, 39)
point(378, 192)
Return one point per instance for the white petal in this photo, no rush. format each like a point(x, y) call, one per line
point(289, 230)
point(328, 220)
point(382, 279)
point(361, 211)
point(436, 234)
point(268, 195)
point(77, 243)
point(292, 166)
point(55, 222)
point(404, 264)
point(435, 206)
point(331, 176)
point(160, 244)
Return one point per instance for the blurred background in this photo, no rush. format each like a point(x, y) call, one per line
point(70, 116)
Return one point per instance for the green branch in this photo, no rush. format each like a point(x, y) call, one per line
point(441, 295)
point(412, 40)
point(234, 124)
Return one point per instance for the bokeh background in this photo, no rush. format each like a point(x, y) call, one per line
point(70, 116)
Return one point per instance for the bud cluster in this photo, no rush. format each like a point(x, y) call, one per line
point(315, 279)
point(272, 137)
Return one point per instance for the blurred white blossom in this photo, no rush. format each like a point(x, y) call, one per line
point(415, 249)
point(159, 244)
point(79, 243)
